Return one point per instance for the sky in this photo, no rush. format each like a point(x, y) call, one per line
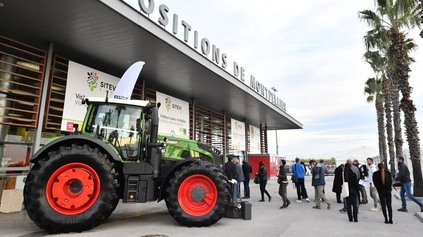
point(312, 53)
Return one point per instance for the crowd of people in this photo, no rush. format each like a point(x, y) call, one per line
point(350, 184)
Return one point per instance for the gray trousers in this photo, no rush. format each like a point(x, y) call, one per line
point(373, 194)
point(363, 192)
point(283, 194)
point(318, 194)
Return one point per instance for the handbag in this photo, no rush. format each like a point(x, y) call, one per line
point(397, 184)
point(345, 190)
point(256, 179)
point(294, 178)
point(279, 180)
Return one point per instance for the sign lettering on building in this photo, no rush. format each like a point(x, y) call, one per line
point(193, 38)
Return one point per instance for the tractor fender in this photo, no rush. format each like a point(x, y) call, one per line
point(75, 139)
point(176, 167)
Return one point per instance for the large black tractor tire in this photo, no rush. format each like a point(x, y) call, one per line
point(197, 194)
point(71, 189)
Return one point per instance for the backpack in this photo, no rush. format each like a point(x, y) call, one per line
point(364, 172)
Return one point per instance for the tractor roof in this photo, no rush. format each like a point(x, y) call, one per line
point(141, 103)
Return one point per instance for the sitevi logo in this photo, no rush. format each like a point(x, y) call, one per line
point(92, 80)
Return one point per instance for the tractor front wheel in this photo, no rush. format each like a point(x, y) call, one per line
point(197, 195)
point(70, 189)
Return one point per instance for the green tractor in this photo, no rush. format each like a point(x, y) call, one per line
point(76, 181)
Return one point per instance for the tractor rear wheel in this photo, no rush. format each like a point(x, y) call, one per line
point(71, 189)
point(197, 194)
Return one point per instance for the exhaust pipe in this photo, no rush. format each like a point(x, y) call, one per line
point(154, 147)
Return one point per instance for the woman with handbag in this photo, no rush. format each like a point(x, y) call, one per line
point(262, 174)
point(283, 183)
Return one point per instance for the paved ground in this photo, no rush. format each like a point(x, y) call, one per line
point(268, 220)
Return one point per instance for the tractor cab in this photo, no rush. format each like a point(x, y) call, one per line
point(123, 124)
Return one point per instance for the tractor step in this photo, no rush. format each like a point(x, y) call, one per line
point(139, 183)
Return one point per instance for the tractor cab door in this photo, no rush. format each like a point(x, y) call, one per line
point(120, 126)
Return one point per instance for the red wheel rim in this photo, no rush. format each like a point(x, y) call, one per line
point(197, 195)
point(73, 188)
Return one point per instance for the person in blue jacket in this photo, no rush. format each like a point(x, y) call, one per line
point(298, 170)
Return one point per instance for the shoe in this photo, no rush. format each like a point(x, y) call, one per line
point(374, 209)
point(316, 207)
point(386, 222)
point(282, 207)
point(307, 199)
point(287, 204)
point(262, 200)
point(246, 197)
point(339, 202)
point(403, 209)
point(270, 198)
point(298, 201)
point(391, 222)
point(355, 220)
point(343, 210)
point(329, 206)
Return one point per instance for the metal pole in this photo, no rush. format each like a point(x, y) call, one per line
point(37, 137)
point(277, 146)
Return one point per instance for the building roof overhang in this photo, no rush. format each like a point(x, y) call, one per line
point(109, 35)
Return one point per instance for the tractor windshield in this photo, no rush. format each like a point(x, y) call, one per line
point(118, 124)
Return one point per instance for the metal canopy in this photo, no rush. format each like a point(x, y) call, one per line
point(109, 35)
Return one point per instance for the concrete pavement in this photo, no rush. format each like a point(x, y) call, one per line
point(299, 219)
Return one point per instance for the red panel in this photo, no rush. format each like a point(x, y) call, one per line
point(272, 163)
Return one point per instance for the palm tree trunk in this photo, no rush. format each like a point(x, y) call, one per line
point(381, 129)
point(402, 69)
point(397, 117)
point(388, 115)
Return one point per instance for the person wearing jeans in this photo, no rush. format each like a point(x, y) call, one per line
point(403, 176)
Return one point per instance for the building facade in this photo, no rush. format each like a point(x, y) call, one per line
point(40, 49)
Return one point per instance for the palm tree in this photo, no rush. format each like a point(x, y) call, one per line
point(394, 16)
point(379, 39)
point(373, 89)
point(378, 62)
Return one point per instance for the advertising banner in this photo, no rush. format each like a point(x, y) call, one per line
point(173, 116)
point(83, 82)
point(238, 135)
point(254, 140)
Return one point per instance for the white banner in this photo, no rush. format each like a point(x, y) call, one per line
point(126, 85)
point(254, 140)
point(83, 82)
point(173, 116)
point(238, 135)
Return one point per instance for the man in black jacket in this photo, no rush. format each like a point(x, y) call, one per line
point(403, 176)
point(230, 169)
point(246, 169)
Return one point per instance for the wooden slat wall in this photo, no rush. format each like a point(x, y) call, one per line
point(209, 128)
point(21, 76)
point(56, 94)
